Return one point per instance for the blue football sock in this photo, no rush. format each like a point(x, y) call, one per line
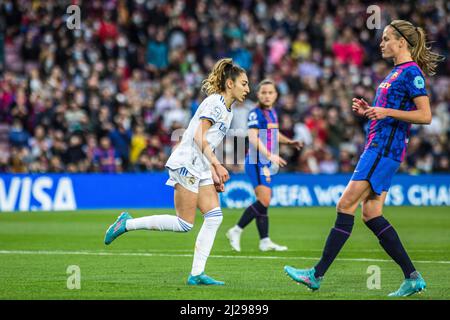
point(336, 240)
point(391, 243)
point(262, 220)
point(246, 217)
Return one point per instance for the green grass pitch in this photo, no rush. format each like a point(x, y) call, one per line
point(36, 249)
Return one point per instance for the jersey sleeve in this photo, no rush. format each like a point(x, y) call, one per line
point(211, 111)
point(415, 83)
point(253, 120)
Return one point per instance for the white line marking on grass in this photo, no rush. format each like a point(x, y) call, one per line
point(149, 254)
point(176, 251)
point(308, 250)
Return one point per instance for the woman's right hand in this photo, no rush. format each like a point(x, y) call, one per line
point(279, 161)
point(359, 106)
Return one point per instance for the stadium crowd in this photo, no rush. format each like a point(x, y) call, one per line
point(108, 97)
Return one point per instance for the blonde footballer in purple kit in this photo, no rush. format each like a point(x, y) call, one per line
point(401, 100)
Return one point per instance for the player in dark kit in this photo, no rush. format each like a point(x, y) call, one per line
point(261, 163)
point(401, 99)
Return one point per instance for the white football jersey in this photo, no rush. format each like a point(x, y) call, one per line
point(187, 154)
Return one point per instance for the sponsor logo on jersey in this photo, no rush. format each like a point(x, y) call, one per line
point(384, 85)
point(252, 116)
point(222, 127)
point(252, 119)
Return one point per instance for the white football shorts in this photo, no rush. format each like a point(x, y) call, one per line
point(186, 179)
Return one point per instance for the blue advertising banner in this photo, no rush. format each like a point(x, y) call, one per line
point(130, 191)
point(325, 190)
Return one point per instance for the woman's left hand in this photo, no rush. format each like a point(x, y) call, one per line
point(219, 187)
point(296, 144)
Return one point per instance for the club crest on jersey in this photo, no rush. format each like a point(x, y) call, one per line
point(217, 113)
point(419, 82)
point(394, 75)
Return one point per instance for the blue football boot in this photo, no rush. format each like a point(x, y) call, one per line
point(414, 284)
point(304, 276)
point(203, 279)
point(117, 228)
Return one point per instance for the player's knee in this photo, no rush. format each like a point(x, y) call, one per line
point(345, 205)
point(368, 215)
point(185, 226)
point(265, 200)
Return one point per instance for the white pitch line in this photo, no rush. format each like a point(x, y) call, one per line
point(308, 250)
point(142, 254)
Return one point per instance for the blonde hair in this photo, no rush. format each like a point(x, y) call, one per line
point(223, 70)
point(264, 82)
point(416, 39)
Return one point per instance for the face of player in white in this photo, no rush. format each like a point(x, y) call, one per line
point(267, 95)
point(238, 89)
point(391, 47)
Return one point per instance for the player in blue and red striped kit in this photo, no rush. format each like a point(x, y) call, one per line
point(401, 99)
point(261, 163)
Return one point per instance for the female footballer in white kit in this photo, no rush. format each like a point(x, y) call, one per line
point(195, 172)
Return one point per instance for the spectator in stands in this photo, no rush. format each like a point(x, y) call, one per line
point(120, 138)
point(138, 144)
point(75, 154)
point(146, 62)
point(18, 136)
point(157, 52)
point(106, 159)
point(347, 50)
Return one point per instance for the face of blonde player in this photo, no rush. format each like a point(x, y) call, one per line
point(267, 95)
point(239, 87)
point(390, 45)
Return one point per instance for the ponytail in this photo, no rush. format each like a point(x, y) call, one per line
point(422, 54)
point(417, 45)
point(223, 70)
